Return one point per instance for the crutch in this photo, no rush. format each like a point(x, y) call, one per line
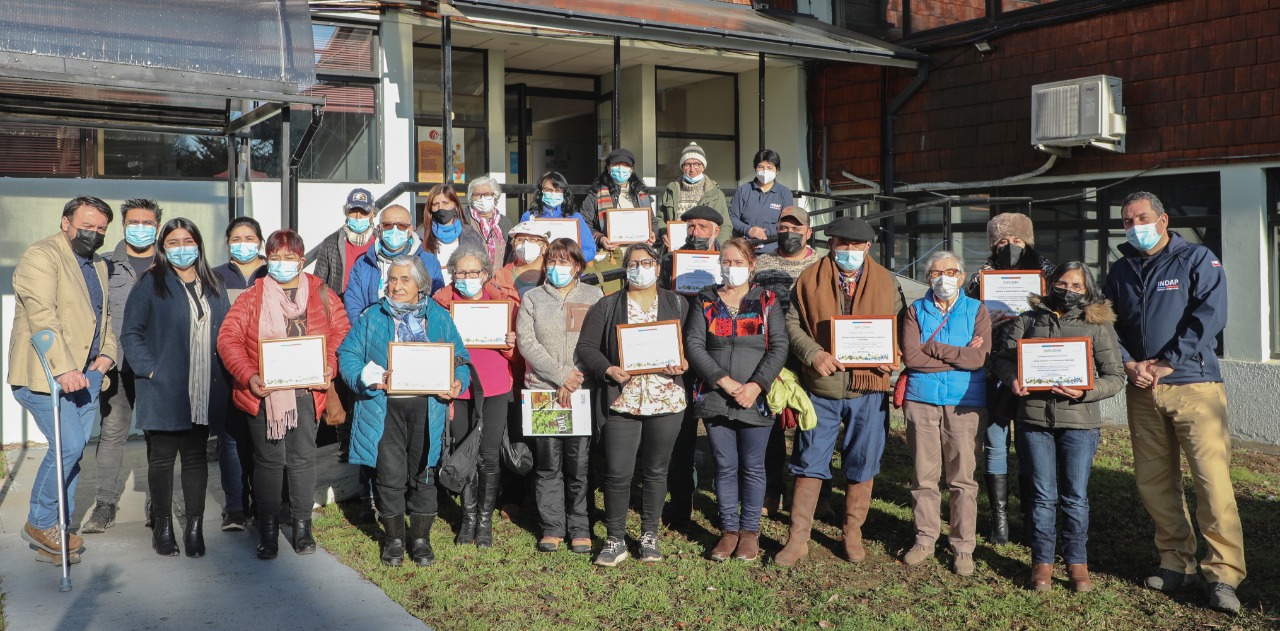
point(43, 341)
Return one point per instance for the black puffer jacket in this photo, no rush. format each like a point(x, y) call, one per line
point(750, 347)
point(1045, 409)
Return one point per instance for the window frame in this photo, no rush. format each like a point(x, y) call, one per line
point(687, 136)
point(438, 121)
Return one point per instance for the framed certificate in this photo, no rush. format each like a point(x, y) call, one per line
point(292, 362)
point(560, 229)
point(482, 323)
point(1047, 362)
point(420, 368)
point(1005, 292)
point(677, 234)
point(628, 225)
point(691, 270)
point(864, 341)
point(542, 415)
point(649, 347)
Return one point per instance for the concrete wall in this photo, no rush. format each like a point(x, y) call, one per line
point(786, 122)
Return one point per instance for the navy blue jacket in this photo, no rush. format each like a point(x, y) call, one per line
point(1171, 306)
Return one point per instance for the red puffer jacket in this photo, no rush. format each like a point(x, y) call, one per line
point(238, 340)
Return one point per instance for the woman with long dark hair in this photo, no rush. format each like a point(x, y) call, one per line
point(171, 326)
point(443, 229)
point(618, 186)
point(555, 201)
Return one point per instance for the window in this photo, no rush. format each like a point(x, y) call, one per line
point(894, 19)
point(470, 113)
point(701, 107)
point(40, 151)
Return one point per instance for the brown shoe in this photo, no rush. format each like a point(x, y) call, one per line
point(772, 504)
point(56, 559)
point(724, 549)
point(1078, 574)
point(803, 503)
point(1041, 577)
point(48, 539)
point(856, 503)
point(748, 546)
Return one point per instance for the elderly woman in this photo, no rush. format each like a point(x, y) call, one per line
point(548, 325)
point(527, 268)
point(642, 413)
point(1058, 430)
point(472, 273)
point(171, 326)
point(400, 435)
point(484, 201)
point(946, 337)
point(282, 422)
point(736, 338)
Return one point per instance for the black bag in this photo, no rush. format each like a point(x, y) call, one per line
point(516, 455)
point(460, 458)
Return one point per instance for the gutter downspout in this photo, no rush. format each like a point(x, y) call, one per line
point(888, 114)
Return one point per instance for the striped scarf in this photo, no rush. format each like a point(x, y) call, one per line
point(198, 356)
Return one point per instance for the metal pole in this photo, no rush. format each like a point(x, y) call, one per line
point(288, 211)
point(231, 177)
point(762, 144)
point(617, 93)
point(946, 225)
point(446, 82)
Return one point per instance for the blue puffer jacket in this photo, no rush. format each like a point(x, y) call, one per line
point(1171, 306)
point(367, 342)
point(364, 287)
point(966, 388)
point(585, 238)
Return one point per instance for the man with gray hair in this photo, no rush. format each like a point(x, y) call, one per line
point(484, 195)
point(1171, 299)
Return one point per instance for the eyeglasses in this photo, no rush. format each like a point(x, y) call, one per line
point(473, 274)
point(1070, 286)
point(949, 273)
point(136, 222)
point(691, 165)
point(646, 263)
point(400, 226)
point(484, 196)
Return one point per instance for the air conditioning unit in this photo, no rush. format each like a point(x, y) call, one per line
point(1084, 112)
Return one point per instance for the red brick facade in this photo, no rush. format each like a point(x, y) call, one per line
point(1201, 79)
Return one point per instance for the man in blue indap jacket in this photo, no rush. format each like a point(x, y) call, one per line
point(1171, 298)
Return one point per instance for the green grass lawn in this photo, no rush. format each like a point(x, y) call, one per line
point(513, 586)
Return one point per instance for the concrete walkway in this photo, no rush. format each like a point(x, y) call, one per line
point(123, 584)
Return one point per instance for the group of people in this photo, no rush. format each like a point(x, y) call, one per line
point(181, 341)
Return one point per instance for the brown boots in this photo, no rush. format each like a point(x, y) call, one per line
point(856, 503)
point(724, 549)
point(803, 503)
point(1078, 574)
point(1041, 577)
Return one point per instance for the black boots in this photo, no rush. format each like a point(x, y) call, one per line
point(193, 536)
point(162, 538)
point(998, 494)
point(268, 536)
point(470, 513)
point(420, 539)
point(303, 542)
point(488, 498)
point(392, 540)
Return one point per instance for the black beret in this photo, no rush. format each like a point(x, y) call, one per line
point(620, 155)
point(851, 229)
point(705, 213)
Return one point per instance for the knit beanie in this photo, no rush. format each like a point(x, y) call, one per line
point(695, 152)
point(1010, 225)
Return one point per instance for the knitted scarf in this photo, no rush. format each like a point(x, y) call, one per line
point(273, 322)
point(358, 239)
point(818, 298)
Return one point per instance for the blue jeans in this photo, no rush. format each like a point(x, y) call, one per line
point(866, 424)
point(1059, 462)
point(739, 453)
point(235, 462)
point(995, 446)
point(79, 411)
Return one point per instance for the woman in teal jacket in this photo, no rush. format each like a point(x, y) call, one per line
point(400, 435)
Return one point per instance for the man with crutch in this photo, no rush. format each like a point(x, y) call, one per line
point(61, 286)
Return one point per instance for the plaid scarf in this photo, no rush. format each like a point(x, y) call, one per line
point(493, 237)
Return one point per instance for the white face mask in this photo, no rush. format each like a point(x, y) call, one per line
point(734, 276)
point(946, 287)
point(765, 175)
point(529, 251)
point(484, 205)
point(642, 278)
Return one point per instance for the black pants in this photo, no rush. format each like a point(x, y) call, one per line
point(626, 439)
point(775, 462)
point(682, 479)
point(163, 449)
point(404, 480)
point(494, 422)
point(560, 486)
point(293, 456)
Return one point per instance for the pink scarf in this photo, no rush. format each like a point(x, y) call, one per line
point(277, 310)
point(493, 237)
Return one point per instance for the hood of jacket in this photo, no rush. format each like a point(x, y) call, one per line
point(1099, 312)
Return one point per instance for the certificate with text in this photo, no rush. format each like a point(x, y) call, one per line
point(420, 368)
point(649, 347)
point(482, 323)
point(1005, 293)
point(691, 270)
point(1047, 362)
point(292, 362)
point(864, 341)
point(628, 225)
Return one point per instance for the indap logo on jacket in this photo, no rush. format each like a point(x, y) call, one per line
point(1167, 285)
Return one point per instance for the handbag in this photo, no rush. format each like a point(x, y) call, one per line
point(334, 412)
point(900, 386)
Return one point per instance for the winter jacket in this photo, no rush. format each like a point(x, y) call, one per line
point(592, 209)
point(368, 342)
point(754, 207)
point(586, 239)
point(944, 370)
point(365, 287)
point(749, 348)
point(121, 278)
point(496, 366)
point(547, 331)
point(668, 207)
point(504, 226)
point(1043, 408)
point(157, 332)
point(1171, 306)
point(330, 265)
point(598, 342)
point(238, 339)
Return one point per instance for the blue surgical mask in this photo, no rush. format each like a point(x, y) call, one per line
point(283, 271)
point(358, 224)
point(620, 174)
point(695, 179)
point(552, 200)
point(395, 238)
point(140, 236)
point(849, 260)
point(560, 275)
point(1143, 236)
point(183, 256)
point(244, 252)
point(469, 287)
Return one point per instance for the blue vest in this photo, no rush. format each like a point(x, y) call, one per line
point(966, 388)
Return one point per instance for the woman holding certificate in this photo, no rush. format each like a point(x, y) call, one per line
point(737, 344)
point(404, 362)
point(1059, 426)
point(480, 305)
point(550, 320)
point(171, 327)
point(555, 201)
point(946, 338)
point(279, 344)
point(630, 343)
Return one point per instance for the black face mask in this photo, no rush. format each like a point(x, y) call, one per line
point(444, 216)
point(1008, 256)
point(790, 243)
point(696, 243)
point(86, 242)
point(1066, 298)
